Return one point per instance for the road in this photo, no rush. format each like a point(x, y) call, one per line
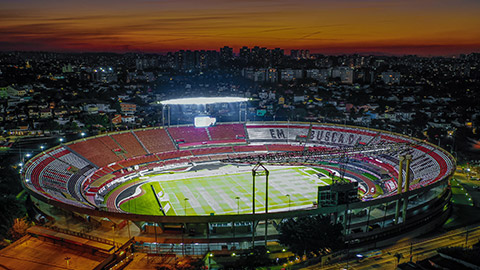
point(421, 249)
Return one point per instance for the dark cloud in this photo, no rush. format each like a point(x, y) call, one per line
point(81, 18)
point(277, 30)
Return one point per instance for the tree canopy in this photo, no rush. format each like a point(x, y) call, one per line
point(311, 235)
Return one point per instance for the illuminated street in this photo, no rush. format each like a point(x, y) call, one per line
point(421, 249)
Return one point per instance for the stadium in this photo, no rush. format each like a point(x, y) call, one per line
point(248, 177)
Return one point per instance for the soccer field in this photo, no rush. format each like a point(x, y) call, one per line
point(206, 192)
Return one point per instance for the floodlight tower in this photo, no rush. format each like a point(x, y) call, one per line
point(259, 170)
point(242, 112)
point(166, 116)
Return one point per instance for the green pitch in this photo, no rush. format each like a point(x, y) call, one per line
point(227, 190)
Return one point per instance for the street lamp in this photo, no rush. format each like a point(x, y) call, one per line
point(238, 204)
point(185, 206)
point(238, 212)
point(67, 259)
point(42, 147)
point(60, 140)
point(184, 225)
point(27, 156)
point(288, 195)
point(209, 260)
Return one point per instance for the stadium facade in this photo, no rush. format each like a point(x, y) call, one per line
point(84, 176)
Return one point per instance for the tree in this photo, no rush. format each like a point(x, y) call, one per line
point(10, 209)
point(419, 120)
point(311, 235)
point(70, 126)
point(50, 125)
point(96, 119)
point(256, 257)
point(19, 228)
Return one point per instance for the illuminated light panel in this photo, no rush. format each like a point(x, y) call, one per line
point(203, 100)
point(204, 121)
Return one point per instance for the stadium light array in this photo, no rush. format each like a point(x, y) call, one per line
point(202, 100)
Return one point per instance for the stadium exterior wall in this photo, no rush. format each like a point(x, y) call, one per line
point(442, 200)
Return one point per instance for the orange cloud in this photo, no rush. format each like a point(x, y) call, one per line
point(399, 27)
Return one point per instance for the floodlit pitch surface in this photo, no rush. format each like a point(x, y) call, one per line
point(207, 192)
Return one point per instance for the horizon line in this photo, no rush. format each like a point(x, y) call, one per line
point(371, 53)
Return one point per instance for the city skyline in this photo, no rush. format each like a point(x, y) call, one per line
point(426, 28)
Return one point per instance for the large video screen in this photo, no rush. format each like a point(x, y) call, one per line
point(205, 121)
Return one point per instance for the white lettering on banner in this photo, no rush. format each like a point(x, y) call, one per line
point(277, 133)
point(321, 136)
point(334, 137)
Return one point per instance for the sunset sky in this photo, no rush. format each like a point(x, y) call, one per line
point(424, 27)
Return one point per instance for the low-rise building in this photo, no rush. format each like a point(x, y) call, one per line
point(45, 113)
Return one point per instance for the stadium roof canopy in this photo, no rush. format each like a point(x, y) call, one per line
point(203, 100)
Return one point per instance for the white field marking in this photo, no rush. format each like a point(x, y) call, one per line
point(313, 177)
point(166, 195)
point(319, 180)
point(297, 183)
point(282, 173)
point(211, 201)
point(192, 201)
point(173, 209)
point(166, 208)
point(295, 180)
point(222, 171)
point(228, 199)
point(201, 193)
point(285, 183)
point(245, 197)
point(198, 196)
point(165, 198)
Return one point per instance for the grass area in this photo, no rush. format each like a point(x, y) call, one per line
point(369, 176)
point(22, 195)
point(123, 184)
point(328, 179)
point(148, 205)
point(379, 190)
point(215, 192)
point(460, 194)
